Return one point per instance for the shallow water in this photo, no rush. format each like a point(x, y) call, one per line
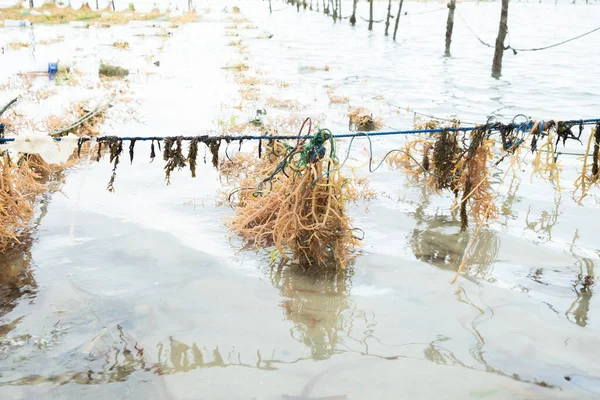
point(145, 293)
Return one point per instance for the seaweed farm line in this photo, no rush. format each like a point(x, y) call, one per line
point(149, 291)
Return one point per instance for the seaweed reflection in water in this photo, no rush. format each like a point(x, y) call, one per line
point(317, 303)
point(582, 286)
point(17, 281)
point(543, 225)
point(437, 240)
point(16, 284)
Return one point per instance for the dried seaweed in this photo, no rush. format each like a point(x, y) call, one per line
point(464, 218)
point(79, 144)
point(213, 145)
point(360, 119)
point(152, 150)
point(99, 151)
point(173, 156)
point(473, 180)
point(168, 143)
point(193, 155)
point(564, 132)
point(115, 146)
point(426, 151)
point(131, 148)
point(445, 157)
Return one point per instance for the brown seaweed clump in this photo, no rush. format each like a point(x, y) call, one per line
point(458, 167)
point(301, 211)
point(112, 71)
point(120, 44)
point(473, 182)
point(444, 158)
point(19, 185)
point(361, 120)
point(415, 160)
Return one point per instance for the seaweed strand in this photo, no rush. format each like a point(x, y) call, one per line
point(131, 147)
point(173, 156)
point(115, 146)
point(193, 155)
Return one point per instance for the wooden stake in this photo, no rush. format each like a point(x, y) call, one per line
point(449, 26)
point(387, 20)
point(353, 17)
point(398, 19)
point(497, 64)
point(370, 15)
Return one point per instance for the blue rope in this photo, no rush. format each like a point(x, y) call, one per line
point(521, 126)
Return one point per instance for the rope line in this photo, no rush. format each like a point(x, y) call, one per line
point(296, 137)
point(559, 43)
point(473, 32)
point(426, 12)
point(410, 110)
point(515, 49)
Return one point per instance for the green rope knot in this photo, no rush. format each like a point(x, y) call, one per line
point(314, 150)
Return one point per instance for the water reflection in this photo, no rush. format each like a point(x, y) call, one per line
point(582, 286)
point(437, 240)
point(317, 304)
point(544, 224)
point(17, 284)
point(507, 209)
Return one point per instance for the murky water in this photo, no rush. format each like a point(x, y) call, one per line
point(145, 293)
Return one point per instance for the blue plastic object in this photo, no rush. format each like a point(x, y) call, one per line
point(52, 70)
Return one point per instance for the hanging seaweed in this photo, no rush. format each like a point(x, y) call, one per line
point(545, 160)
point(79, 144)
point(303, 212)
point(426, 151)
point(596, 135)
point(131, 149)
point(173, 156)
point(564, 131)
point(99, 151)
point(415, 161)
point(115, 147)
point(473, 180)
point(464, 218)
point(153, 150)
point(260, 148)
point(213, 145)
point(193, 155)
point(445, 156)
point(168, 143)
point(590, 175)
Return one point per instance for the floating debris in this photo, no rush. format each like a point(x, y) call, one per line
point(237, 66)
point(112, 71)
point(360, 119)
point(121, 45)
